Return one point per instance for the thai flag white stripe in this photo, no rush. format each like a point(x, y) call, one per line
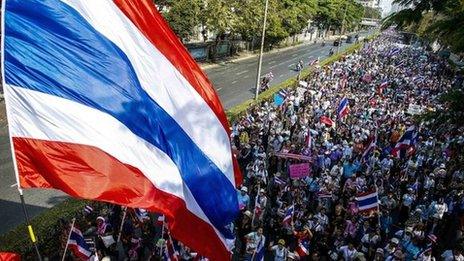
point(68, 121)
point(79, 248)
point(162, 81)
point(373, 205)
point(367, 196)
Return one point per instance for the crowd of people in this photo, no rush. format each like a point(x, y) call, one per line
point(418, 208)
point(378, 147)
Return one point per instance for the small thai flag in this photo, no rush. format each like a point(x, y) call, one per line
point(405, 143)
point(343, 109)
point(170, 253)
point(288, 214)
point(327, 121)
point(309, 139)
point(367, 201)
point(324, 194)
point(141, 214)
point(279, 181)
point(283, 93)
point(78, 245)
point(371, 147)
point(301, 250)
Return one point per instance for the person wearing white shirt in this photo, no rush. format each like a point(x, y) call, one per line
point(348, 252)
point(452, 255)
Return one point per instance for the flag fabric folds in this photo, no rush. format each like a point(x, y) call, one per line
point(405, 143)
point(327, 121)
point(109, 105)
point(367, 201)
point(343, 109)
point(78, 246)
point(9, 256)
point(288, 214)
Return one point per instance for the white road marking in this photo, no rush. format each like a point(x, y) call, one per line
point(14, 185)
point(218, 89)
point(242, 72)
point(294, 55)
point(234, 82)
point(280, 76)
point(272, 67)
point(272, 62)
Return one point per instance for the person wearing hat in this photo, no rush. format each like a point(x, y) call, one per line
point(379, 256)
point(243, 198)
point(426, 255)
point(454, 254)
point(279, 251)
point(397, 256)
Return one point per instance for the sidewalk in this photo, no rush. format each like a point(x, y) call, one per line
point(247, 55)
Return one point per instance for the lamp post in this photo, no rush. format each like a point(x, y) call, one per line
point(260, 60)
point(341, 30)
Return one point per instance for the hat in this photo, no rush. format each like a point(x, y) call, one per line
point(244, 189)
point(247, 213)
point(379, 250)
point(262, 191)
point(432, 238)
point(395, 240)
point(100, 218)
point(281, 242)
point(408, 229)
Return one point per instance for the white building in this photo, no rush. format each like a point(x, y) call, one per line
point(369, 3)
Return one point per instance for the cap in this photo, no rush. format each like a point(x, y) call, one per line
point(247, 213)
point(395, 240)
point(281, 242)
point(379, 250)
point(244, 189)
point(262, 191)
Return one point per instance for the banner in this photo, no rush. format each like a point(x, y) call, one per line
point(292, 156)
point(299, 170)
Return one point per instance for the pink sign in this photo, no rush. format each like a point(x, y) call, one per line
point(299, 170)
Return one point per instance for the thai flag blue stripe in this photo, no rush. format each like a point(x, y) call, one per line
point(51, 48)
point(367, 201)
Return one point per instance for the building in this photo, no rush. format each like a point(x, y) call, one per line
point(369, 3)
point(397, 7)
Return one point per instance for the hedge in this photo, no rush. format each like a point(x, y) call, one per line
point(46, 224)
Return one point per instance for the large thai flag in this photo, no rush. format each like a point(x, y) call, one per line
point(406, 142)
point(78, 246)
point(367, 201)
point(105, 103)
point(343, 108)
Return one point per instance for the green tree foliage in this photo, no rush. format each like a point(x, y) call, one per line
point(441, 20)
point(243, 18)
point(331, 14)
point(373, 13)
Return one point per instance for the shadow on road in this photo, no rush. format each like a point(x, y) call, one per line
point(12, 214)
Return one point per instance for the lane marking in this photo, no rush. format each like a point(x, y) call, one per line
point(272, 62)
point(280, 76)
point(242, 72)
point(234, 82)
point(14, 185)
point(218, 89)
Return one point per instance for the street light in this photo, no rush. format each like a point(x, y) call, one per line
point(341, 30)
point(260, 60)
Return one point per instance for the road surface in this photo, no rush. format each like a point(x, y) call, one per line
point(234, 81)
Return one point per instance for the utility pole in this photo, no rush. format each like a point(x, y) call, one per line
point(260, 60)
point(341, 30)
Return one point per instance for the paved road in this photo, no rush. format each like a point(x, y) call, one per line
point(234, 82)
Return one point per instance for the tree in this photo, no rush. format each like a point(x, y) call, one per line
point(184, 16)
point(373, 13)
point(440, 20)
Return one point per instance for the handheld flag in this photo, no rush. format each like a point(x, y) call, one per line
point(367, 201)
point(9, 256)
point(371, 147)
point(288, 214)
point(405, 143)
point(78, 246)
point(109, 105)
point(343, 108)
point(327, 121)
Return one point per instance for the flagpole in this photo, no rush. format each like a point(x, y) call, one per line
point(162, 236)
point(67, 242)
point(254, 208)
point(122, 223)
point(260, 60)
